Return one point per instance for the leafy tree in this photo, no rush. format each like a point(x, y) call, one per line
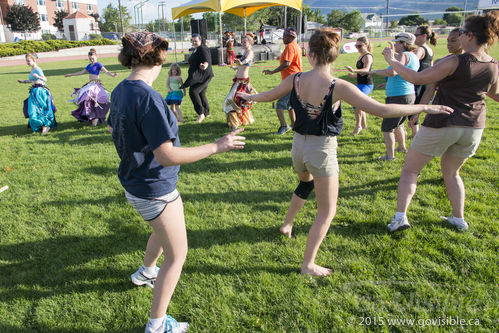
point(22, 19)
point(211, 20)
point(231, 22)
point(111, 18)
point(335, 18)
point(156, 25)
point(186, 20)
point(319, 18)
point(439, 21)
point(413, 20)
point(394, 24)
point(352, 21)
point(453, 19)
point(58, 20)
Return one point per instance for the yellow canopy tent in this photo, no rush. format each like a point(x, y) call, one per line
point(242, 8)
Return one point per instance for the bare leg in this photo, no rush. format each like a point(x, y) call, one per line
point(364, 119)
point(154, 249)
point(453, 182)
point(400, 137)
point(294, 207)
point(358, 121)
point(169, 229)
point(280, 116)
point(389, 144)
point(292, 116)
point(179, 113)
point(326, 193)
point(413, 164)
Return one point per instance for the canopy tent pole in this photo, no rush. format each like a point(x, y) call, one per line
point(245, 21)
point(221, 57)
point(174, 41)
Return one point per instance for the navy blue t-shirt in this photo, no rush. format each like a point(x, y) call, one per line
point(141, 122)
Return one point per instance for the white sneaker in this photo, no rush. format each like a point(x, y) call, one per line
point(139, 278)
point(463, 226)
point(170, 325)
point(398, 224)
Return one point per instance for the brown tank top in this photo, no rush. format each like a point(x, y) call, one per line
point(464, 91)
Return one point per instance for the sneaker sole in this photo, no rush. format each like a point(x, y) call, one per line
point(401, 228)
point(141, 283)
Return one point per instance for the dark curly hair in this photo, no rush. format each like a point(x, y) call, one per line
point(485, 27)
point(130, 57)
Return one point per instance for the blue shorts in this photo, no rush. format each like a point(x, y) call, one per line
point(366, 88)
point(283, 102)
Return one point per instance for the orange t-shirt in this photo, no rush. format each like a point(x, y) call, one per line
point(291, 53)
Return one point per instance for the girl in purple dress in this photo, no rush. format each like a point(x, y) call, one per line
point(92, 99)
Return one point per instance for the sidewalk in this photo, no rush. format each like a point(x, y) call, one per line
point(103, 51)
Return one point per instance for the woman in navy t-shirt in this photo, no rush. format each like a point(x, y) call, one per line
point(92, 99)
point(145, 134)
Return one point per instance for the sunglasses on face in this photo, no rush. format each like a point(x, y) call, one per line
point(417, 35)
point(358, 46)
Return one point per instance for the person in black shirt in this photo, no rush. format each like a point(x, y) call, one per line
point(315, 97)
point(200, 74)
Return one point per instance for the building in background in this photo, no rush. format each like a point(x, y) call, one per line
point(46, 10)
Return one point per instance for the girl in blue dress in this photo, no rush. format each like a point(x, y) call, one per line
point(175, 94)
point(39, 106)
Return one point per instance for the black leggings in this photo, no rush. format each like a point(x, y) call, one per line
point(197, 93)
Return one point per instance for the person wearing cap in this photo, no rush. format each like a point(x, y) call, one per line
point(291, 63)
point(398, 91)
point(200, 75)
point(145, 134)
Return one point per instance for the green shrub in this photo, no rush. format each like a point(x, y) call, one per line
point(48, 37)
point(26, 46)
point(95, 36)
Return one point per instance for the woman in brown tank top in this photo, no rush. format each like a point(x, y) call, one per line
point(463, 82)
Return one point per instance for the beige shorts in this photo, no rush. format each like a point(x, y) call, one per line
point(315, 154)
point(461, 142)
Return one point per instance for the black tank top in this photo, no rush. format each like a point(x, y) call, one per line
point(426, 61)
point(363, 79)
point(310, 120)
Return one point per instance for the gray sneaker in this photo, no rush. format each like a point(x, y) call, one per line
point(463, 226)
point(139, 278)
point(398, 224)
point(283, 129)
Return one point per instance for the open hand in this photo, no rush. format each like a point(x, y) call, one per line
point(438, 109)
point(67, 75)
point(243, 95)
point(414, 119)
point(20, 81)
point(389, 52)
point(350, 69)
point(115, 74)
point(267, 72)
point(230, 141)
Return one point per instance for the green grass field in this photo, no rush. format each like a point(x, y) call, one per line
point(69, 240)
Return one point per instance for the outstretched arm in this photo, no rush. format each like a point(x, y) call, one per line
point(77, 73)
point(167, 154)
point(346, 91)
point(432, 74)
point(108, 72)
point(270, 95)
point(281, 67)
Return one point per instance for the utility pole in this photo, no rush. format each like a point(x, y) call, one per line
point(285, 17)
point(121, 18)
point(387, 15)
point(161, 4)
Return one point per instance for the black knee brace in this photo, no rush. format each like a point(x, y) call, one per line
point(304, 189)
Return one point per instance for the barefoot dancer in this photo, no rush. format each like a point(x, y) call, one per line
point(315, 96)
point(92, 99)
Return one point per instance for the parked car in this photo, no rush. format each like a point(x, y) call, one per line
point(110, 35)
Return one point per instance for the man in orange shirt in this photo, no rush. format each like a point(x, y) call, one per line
point(290, 64)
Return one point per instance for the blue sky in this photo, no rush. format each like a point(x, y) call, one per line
point(404, 7)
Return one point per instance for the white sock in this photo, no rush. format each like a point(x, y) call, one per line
point(156, 325)
point(150, 271)
point(399, 215)
point(457, 219)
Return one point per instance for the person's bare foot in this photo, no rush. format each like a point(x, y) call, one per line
point(316, 270)
point(286, 229)
point(45, 130)
point(356, 131)
point(200, 118)
point(95, 121)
